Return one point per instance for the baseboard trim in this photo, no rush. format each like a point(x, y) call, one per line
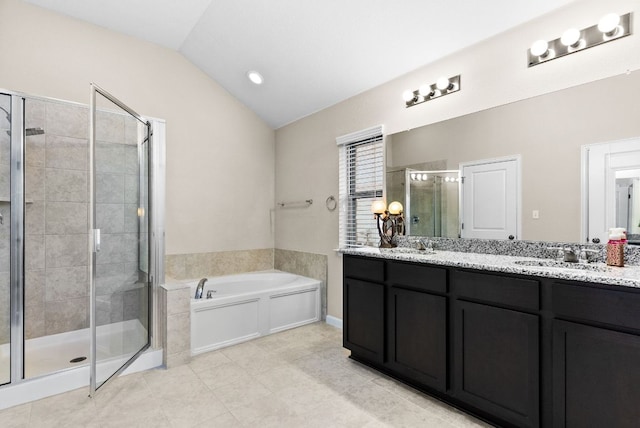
point(336, 322)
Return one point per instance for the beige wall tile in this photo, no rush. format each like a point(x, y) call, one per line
point(110, 218)
point(34, 183)
point(110, 127)
point(34, 218)
point(175, 266)
point(131, 184)
point(34, 284)
point(67, 153)
point(66, 185)
point(131, 160)
point(178, 301)
point(109, 189)
point(178, 333)
point(34, 257)
point(66, 283)
point(65, 218)
point(131, 219)
point(66, 315)
point(178, 359)
point(34, 153)
point(67, 120)
point(66, 250)
point(34, 113)
point(109, 158)
point(34, 324)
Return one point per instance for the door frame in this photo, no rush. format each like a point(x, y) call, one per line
point(584, 183)
point(518, 159)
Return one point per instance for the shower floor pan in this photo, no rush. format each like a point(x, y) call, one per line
point(49, 354)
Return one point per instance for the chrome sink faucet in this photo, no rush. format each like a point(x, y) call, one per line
point(574, 254)
point(425, 244)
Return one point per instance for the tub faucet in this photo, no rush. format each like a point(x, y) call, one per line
point(200, 288)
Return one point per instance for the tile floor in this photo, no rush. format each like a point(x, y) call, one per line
point(297, 378)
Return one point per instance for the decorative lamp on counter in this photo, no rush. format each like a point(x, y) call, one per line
point(389, 220)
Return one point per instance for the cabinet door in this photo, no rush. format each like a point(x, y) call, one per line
point(496, 362)
point(364, 319)
point(418, 339)
point(596, 377)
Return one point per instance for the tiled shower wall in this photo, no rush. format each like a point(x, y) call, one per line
point(56, 231)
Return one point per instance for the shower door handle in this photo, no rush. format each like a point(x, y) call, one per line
point(96, 240)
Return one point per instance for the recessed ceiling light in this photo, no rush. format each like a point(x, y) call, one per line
point(255, 77)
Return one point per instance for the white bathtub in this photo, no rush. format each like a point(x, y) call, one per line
point(251, 305)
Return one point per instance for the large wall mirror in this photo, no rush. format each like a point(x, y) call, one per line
point(547, 132)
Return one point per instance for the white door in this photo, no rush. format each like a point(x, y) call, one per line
point(602, 164)
point(490, 199)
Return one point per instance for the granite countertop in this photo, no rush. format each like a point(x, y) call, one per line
point(628, 276)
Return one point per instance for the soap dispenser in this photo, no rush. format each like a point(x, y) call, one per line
point(615, 246)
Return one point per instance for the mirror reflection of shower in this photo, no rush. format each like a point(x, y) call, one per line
point(431, 202)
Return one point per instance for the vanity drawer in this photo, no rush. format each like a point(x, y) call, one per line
point(504, 290)
point(614, 306)
point(417, 276)
point(363, 268)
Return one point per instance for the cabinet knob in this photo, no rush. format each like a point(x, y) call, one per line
point(511, 237)
point(596, 240)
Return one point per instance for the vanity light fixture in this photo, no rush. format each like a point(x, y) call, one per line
point(610, 27)
point(426, 92)
point(389, 221)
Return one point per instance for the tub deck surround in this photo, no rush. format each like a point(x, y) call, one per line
point(628, 276)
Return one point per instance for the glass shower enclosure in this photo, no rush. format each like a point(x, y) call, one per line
point(432, 202)
point(76, 254)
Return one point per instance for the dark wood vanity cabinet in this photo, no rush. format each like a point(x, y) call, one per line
point(364, 307)
point(417, 323)
point(515, 350)
point(496, 345)
point(596, 357)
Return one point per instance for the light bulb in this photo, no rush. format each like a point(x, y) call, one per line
point(608, 24)
point(408, 96)
point(413, 177)
point(425, 90)
point(540, 48)
point(571, 37)
point(378, 207)
point(255, 77)
point(425, 177)
point(443, 83)
point(395, 208)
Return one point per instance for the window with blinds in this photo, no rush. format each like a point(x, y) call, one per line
point(361, 182)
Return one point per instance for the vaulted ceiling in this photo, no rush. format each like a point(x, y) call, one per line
point(311, 53)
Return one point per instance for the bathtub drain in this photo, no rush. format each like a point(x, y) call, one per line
point(77, 359)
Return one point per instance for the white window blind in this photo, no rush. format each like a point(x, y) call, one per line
point(361, 168)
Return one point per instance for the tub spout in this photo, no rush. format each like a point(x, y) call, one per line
point(200, 288)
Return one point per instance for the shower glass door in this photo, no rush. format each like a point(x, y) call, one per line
point(120, 280)
point(5, 238)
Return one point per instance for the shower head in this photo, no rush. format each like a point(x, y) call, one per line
point(33, 131)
